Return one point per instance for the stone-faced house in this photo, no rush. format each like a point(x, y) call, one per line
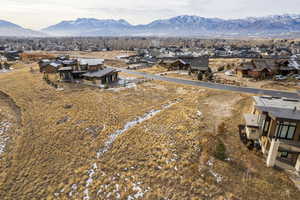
point(275, 124)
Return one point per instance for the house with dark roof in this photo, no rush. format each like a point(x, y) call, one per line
point(275, 125)
point(258, 68)
point(173, 64)
point(104, 76)
point(51, 67)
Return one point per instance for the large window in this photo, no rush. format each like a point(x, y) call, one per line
point(285, 130)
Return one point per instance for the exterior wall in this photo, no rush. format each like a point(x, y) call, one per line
point(95, 68)
point(272, 128)
point(49, 69)
point(242, 73)
point(252, 133)
point(254, 74)
point(297, 134)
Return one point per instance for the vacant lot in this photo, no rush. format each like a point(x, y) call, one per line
point(100, 54)
point(71, 144)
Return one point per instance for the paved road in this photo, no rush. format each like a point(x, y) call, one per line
point(215, 85)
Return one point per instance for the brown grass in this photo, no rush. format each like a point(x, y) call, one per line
point(168, 156)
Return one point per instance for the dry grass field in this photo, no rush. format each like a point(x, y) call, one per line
point(100, 54)
point(69, 144)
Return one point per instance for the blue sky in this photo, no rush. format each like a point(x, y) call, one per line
point(38, 14)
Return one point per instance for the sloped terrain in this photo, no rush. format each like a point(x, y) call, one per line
point(72, 144)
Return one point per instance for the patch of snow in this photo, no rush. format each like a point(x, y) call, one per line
point(5, 70)
point(199, 114)
point(91, 173)
point(74, 188)
point(139, 191)
point(210, 163)
point(217, 176)
point(4, 127)
point(130, 125)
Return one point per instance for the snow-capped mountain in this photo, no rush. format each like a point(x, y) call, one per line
point(184, 25)
point(88, 27)
point(13, 30)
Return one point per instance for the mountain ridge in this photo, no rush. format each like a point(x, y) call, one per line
point(9, 29)
point(183, 25)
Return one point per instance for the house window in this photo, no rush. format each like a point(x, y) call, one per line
point(285, 130)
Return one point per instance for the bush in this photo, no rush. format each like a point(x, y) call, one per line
point(200, 76)
point(106, 86)
point(220, 69)
point(220, 152)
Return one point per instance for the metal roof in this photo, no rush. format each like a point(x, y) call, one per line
point(55, 64)
point(281, 108)
point(65, 69)
point(274, 102)
point(91, 62)
point(100, 73)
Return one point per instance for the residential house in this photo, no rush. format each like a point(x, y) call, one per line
point(275, 124)
point(86, 65)
point(197, 64)
point(294, 62)
point(104, 76)
point(258, 68)
point(173, 64)
point(52, 67)
point(12, 55)
point(43, 63)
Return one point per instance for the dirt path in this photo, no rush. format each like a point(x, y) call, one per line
point(10, 120)
point(7, 101)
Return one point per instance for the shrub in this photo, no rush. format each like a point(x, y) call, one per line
point(106, 86)
point(220, 152)
point(200, 76)
point(220, 69)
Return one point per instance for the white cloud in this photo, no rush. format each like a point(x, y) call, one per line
point(38, 14)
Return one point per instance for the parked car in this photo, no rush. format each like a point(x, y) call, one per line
point(280, 77)
point(229, 73)
point(296, 76)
